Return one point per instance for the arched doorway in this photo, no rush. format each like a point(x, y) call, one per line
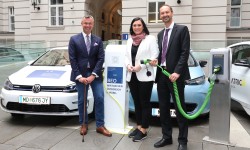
point(108, 18)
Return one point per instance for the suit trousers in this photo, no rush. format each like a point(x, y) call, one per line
point(165, 91)
point(98, 93)
point(141, 93)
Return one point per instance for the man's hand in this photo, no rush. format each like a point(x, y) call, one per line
point(174, 76)
point(83, 80)
point(91, 78)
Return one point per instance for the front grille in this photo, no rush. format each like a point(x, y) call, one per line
point(190, 106)
point(37, 108)
point(43, 88)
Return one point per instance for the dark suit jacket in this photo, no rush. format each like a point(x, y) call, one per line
point(79, 56)
point(177, 52)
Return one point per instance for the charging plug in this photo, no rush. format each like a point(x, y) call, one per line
point(217, 69)
point(145, 61)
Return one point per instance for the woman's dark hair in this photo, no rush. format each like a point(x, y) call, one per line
point(145, 29)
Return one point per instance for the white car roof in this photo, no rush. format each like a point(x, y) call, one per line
point(241, 43)
point(62, 48)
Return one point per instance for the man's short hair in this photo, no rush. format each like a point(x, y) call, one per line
point(88, 16)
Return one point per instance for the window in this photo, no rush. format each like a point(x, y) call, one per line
point(56, 12)
point(240, 52)
point(153, 11)
point(11, 19)
point(235, 20)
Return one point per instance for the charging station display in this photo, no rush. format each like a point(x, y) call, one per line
point(115, 75)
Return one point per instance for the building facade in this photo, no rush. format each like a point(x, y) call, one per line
point(216, 23)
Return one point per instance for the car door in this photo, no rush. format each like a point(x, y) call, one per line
point(240, 74)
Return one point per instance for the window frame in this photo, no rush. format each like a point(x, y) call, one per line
point(157, 21)
point(11, 11)
point(57, 6)
point(235, 7)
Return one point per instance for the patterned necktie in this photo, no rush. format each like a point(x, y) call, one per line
point(88, 43)
point(164, 46)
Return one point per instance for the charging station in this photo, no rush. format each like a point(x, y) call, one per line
point(116, 103)
point(220, 100)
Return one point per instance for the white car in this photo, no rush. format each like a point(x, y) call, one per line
point(43, 88)
point(240, 74)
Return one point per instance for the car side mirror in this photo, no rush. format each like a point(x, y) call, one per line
point(202, 63)
point(243, 62)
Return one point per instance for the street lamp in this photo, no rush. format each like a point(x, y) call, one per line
point(34, 3)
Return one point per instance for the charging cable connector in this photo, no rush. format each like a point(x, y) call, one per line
point(217, 69)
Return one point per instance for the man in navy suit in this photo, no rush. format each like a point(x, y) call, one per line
point(174, 47)
point(86, 55)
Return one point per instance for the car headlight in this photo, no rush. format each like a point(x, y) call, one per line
point(70, 88)
point(196, 81)
point(8, 85)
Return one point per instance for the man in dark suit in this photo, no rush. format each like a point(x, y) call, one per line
point(86, 55)
point(174, 46)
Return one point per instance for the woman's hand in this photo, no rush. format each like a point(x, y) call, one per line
point(153, 62)
point(130, 68)
point(136, 68)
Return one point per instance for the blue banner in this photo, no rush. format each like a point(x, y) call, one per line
point(115, 75)
point(54, 74)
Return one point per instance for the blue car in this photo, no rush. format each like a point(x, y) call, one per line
point(195, 91)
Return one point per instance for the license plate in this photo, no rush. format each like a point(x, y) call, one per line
point(156, 112)
point(38, 100)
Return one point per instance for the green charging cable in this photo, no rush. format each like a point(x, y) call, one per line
point(196, 114)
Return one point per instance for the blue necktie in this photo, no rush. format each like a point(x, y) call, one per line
point(164, 46)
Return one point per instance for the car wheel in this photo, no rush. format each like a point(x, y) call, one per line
point(17, 116)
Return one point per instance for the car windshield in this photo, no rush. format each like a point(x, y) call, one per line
point(56, 57)
point(191, 61)
point(59, 57)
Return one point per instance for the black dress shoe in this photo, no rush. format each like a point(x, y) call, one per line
point(182, 147)
point(163, 142)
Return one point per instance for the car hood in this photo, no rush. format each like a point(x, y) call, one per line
point(196, 72)
point(43, 75)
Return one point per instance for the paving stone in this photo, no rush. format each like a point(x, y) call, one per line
point(7, 147)
point(49, 138)
point(8, 131)
point(28, 136)
point(92, 141)
point(210, 146)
